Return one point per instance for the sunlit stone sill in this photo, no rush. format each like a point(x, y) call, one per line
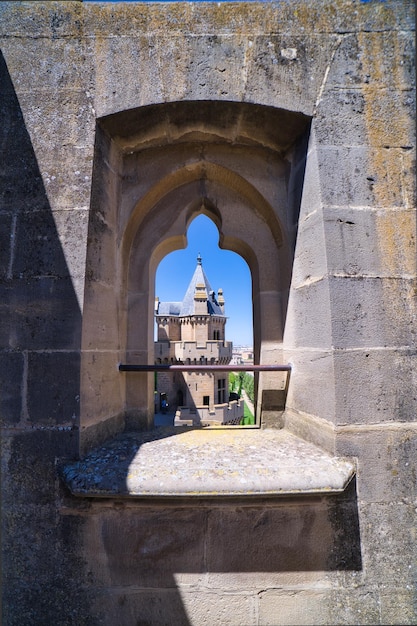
point(193, 462)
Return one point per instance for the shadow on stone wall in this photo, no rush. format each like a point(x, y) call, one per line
point(299, 534)
point(158, 562)
point(40, 326)
point(40, 330)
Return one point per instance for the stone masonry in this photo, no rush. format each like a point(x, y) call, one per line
point(291, 126)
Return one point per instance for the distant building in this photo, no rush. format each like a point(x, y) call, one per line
point(242, 355)
point(193, 332)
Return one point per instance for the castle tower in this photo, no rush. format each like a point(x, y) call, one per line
point(193, 332)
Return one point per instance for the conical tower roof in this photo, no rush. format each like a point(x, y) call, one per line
point(200, 281)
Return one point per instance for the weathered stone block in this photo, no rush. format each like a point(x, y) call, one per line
point(390, 118)
point(38, 251)
point(28, 193)
point(7, 226)
point(29, 474)
point(224, 18)
point(283, 608)
point(44, 20)
point(11, 368)
point(280, 64)
point(364, 312)
point(256, 582)
point(75, 123)
point(364, 177)
point(41, 312)
point(207, 64)
point(309, 262)
point(205, 607)
point(66, 174)
point(173, 608)
point(308, 319)
point(312, 427)
point(386, 463)
point(281, 539)
point(389, 554)
point(353, 606)
point(145, 547)
point(101, 251)
point(387, 178)
point(395, 16)
point(397, 606)
point(389, 392)
point(133, 606)
point(53, 388)
point(369, 242)
point(71, 226)
point(311, 195)
point(101, 385)
point(100, 326)
point(21, 183)
point(377, 59)
point(348, 127)
point(307, 393)
point(408, 159)
point(52, 548)
point(127, 72)
point(62, 71)
point(345, 71)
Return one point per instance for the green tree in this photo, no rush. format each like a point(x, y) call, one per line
point(232, 382)
point(248, 385)
point(241, 378)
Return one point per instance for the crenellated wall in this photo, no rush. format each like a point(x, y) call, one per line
point(291, 125)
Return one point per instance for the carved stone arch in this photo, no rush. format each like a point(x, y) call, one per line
point(162, 229)
point(203, 173)
point(150, 181)
point(204, 206)
point(240, 214)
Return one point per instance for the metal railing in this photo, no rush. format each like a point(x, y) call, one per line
point(179, 367)
point(160, 367)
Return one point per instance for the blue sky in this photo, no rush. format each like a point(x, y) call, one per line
point(224, 269)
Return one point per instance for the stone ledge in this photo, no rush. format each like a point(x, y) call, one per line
point(186, 462)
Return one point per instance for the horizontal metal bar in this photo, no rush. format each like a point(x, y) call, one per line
point(123, 367)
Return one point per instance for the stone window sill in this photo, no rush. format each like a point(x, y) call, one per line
point(186, 462)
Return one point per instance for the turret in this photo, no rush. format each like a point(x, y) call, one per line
point(220, 299)
point(200, 299)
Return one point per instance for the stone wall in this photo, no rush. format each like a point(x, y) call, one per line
point(229, 413)
point(333, 86)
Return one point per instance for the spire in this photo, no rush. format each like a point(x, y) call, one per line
point(200, 293)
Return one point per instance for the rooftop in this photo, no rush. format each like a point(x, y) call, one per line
point(187, 306)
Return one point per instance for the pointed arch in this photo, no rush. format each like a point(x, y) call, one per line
point(203, 173)
point(147, 188)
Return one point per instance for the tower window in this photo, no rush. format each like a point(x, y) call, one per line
point(221, 390)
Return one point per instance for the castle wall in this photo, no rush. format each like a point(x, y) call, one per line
point(349, 317)
point(187, 331)
point(230, 414)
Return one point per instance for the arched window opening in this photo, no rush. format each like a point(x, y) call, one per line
point(207, 293)
point(149, 185)
point(155, 169)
